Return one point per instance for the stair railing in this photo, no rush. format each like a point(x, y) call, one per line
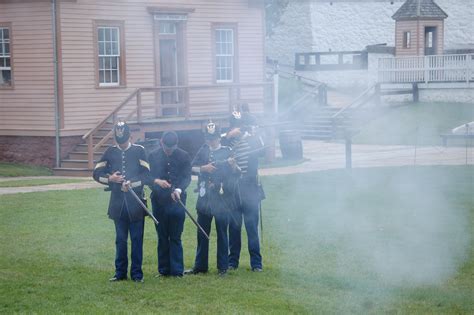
point(234, 98)
point(370, 93)
point(89, 136)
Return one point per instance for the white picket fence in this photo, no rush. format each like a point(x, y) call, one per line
point(438, 68)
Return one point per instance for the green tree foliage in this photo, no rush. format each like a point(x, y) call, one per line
point(274, 9)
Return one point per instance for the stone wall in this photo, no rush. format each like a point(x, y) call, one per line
point(293, 33)
point(352, 25)
point(437, 93)
point(34, 150)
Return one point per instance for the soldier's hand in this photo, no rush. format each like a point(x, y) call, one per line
point(232, 162)
point(208, 168)
point(162, 183)
point(116, 178)
point(176, 195)
point(125, 186)
point(234, 133)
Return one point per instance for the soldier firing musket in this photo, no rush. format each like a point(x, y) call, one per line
point(124, 169)
point(217, 172)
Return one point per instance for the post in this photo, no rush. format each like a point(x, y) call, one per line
point(348, 150)
point(139, 106)
point(322, 94)
point(270, 143)
point(90, 152)
point(427, 68)
point(186, 102)
point(467, 138)
point(276, 83)
point(377, 94)
point(469, 64)
point(416, 92)
point(231, 99)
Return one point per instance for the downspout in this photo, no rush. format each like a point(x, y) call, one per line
point(56, 83)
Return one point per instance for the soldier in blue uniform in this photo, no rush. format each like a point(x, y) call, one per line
point(124, 167)
point(217, 172)
point(246, 147)
point(171, 174)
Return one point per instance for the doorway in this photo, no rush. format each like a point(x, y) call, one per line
point(170, 67)
point(430, 40)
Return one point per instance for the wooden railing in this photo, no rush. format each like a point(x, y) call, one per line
point(327, 61)
point(313, 88)
point(147, 104)
point(438, 68)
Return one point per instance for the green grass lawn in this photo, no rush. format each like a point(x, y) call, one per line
point(369, 241)
point(13, 170)
point(416, 123)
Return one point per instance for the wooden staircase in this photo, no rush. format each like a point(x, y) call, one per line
point(328, 122)
point(76, 164)
point(143, 114)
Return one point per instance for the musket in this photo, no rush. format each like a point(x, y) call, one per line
point(192, 219)
point(242, 154)
point(134, 194)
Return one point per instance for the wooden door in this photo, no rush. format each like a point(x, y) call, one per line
point(170, 72)
point(430, 40)
point(169, 75)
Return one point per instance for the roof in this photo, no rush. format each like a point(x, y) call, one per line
point(413, 9)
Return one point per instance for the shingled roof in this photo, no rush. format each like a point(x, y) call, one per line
point(413, 9)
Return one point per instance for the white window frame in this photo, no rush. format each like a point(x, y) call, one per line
point(224, 55)
point(5, 56)
point(104, 55)
point(407, 39)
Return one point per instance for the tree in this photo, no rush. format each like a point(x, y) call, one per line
point(274, 9)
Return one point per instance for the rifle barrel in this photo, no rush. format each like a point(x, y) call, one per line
point(192, 219)
point(134, 194)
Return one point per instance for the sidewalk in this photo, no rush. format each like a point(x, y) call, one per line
point(322, 156)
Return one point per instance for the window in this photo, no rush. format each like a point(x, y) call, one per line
point(406, 39)
point(5, 57)
point(224, 48)
point(109, 56)
point(110, 62)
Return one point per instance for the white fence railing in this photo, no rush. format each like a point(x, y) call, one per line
point(438, 68)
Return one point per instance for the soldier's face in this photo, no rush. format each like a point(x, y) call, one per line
point(213, 143)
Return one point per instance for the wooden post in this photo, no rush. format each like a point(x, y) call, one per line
point(90, 152)
point(416, 93)
point(270, 139)
point(427, 68)
point(322, 95)
point(377, 94)
point(348, 150)
point(186, 103)
point(231, 99)
point(139, 106)
point(276, 83)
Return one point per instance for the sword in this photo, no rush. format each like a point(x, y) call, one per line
point(134, 194)
point(192, 219)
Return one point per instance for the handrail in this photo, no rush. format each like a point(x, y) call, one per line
point(103, 121)
point(233, 99)
point(297, 103)
point(358, 98)
point(298, 76)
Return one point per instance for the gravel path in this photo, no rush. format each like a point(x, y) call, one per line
point(322, 156)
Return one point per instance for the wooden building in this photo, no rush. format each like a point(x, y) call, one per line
point(70, 68)
point(419, 28)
